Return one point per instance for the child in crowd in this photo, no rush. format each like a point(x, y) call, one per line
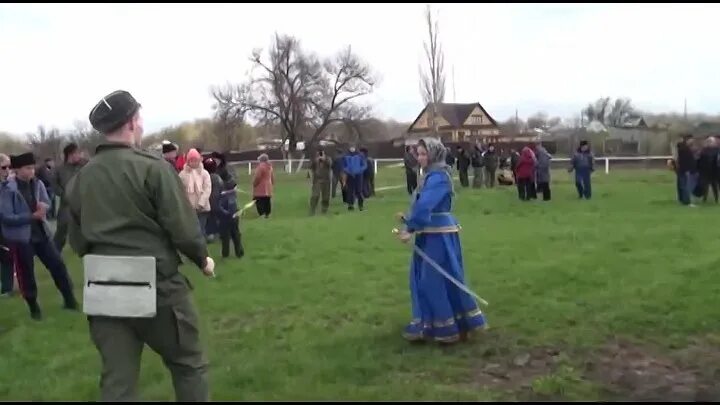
point(228, 220)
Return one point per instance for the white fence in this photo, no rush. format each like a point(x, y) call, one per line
point(295, 166)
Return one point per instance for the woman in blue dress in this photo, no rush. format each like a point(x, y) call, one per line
point(440, 310)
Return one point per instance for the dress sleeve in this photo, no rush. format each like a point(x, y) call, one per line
point(436, 188)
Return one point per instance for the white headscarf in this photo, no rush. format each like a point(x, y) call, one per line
point(437, 153)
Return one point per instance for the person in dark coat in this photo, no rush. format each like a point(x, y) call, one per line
point(686, 170)
point(449, 157)
point(525, 173)
point(369, 175)
point(543, 171)
point(337, 174)
point(228, 220)
point(463, 164)
point(24, 204)
point(583, 163)
point(212, 229)
point(514, 159)
point(411, 169)
point(491, 164)
point(7, 268)
point(222, 167)
point(708, 168)
point(477, 160)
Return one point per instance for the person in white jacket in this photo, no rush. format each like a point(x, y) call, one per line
point(198, 186)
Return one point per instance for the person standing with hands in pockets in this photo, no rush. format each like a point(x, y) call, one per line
point(127, 210)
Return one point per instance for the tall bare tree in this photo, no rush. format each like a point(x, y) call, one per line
point(298, 91)
point(432, 77)
point(46, 143)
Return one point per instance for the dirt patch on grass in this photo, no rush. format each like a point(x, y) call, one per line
point(508, 372)
point(620, 370)
point(631, 372)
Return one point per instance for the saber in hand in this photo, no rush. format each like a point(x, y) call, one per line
point(440, 270)
point(244, 208)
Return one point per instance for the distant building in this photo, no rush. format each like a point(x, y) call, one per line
point(456, 123)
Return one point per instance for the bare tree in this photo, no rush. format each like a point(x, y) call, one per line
point(432, 79)
point(538, 120)
point(597, 111)
point(298, 91)
point(46, 143)
point(621, 112)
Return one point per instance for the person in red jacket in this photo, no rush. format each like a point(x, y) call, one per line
point(525, 173)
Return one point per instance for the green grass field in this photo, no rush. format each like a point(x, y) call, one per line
point(609, 298)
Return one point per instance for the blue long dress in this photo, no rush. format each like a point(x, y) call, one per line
point(440, 310)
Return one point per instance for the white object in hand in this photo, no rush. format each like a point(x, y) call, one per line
point(209, 269)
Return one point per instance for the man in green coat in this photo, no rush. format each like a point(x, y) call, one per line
point(125, 202)
point(73, 162)
point(321, 169)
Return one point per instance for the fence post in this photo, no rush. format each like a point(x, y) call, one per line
point(249, 167)
point(375, 164)
point(607, 166)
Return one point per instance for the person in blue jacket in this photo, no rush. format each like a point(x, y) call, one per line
point(354, 165)
point(441, 312)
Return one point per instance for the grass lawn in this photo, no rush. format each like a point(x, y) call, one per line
point(609, 298)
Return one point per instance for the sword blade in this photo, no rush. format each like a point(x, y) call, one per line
point(450, 278)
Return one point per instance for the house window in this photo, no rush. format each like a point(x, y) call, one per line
point(476, 120)
point(475, 132)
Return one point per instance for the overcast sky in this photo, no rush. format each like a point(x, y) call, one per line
point(56, 61)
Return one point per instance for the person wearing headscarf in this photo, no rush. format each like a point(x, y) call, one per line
point(441, 312)
point(583, 163)
point(198, 186)
point(543, 171)
point(525, 173)
point(708, 168)
point(263, 186)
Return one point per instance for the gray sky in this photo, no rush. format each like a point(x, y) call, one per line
point(56, 61)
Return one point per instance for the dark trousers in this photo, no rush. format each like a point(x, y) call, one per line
point(709, 181)
point(532, 190)
point(61, 228)
point(411, 180)
point(368, 188)
point(335, 183)
point(524, 187)
point(263, 206)
point(489, 177)
point(354, 190)
point(25, 253)
point(230, 230)
point(6, 272)
point(544, 188)
point(685, 185)
point(464, 180)
point(583, 184)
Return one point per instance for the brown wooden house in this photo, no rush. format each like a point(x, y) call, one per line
point(456, 123)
